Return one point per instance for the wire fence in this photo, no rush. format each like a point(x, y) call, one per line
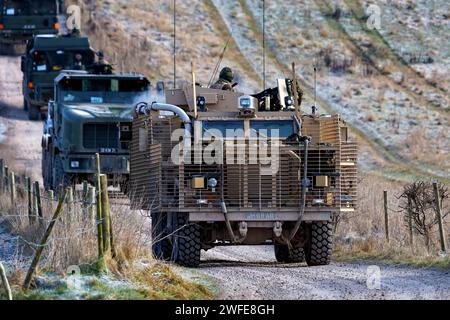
point(68, 226)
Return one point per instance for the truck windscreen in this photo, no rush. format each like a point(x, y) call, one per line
point(100, 91)
point(28, 7)
point(51, 61)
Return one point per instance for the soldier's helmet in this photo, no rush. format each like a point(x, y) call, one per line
point(226, 74)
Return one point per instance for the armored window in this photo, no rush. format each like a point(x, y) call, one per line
point(272, 128)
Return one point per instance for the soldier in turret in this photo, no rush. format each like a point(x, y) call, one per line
point(225, 81)
point(78, 64)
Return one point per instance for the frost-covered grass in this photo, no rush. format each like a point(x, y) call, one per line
point(155, 281)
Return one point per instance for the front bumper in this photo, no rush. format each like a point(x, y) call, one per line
point(20, 35)
point(262, 216)
point(110, 164)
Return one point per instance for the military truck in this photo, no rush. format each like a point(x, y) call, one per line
point(20, 20)
point(45, 57)
point(91, 113)
point(249, 170)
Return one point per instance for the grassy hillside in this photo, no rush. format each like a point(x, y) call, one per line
point(390, 84)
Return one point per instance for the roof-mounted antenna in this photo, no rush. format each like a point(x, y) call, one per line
point(314, 108)
point(264, 44)
point(174, 44)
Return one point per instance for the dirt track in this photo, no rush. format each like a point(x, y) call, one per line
point(252, 273)
point(241, 272)
point(21, 144)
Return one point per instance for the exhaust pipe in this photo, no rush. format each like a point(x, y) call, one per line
point(145, 108)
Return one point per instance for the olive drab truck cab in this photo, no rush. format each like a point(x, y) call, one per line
point(20, 20)
point(46, 56)
point(90, 113)
point(216, 168)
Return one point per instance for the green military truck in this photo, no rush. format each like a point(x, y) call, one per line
point(46, 56)
point(91, 113)
point(20, 20)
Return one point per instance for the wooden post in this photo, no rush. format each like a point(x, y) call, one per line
point(70, 200)
point(30, 200)
point(439, 217)
point(106, 214)
point(12, 187)
point(5, 282)
point(91, 203)
point(37, 194)
point(6, 181)
point(386, 215)
point(2, 175)
point(101, 251)
point(410, 224)
point(85, 189)
point(41, 247)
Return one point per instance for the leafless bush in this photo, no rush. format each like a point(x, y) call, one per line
point(74, 238)
point(419, 206)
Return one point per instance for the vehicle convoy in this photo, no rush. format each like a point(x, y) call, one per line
point(20, 20)
point(91, 113)
point(231, 181)
point(46, 56)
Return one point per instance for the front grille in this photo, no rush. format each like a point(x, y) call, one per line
point(100, 135)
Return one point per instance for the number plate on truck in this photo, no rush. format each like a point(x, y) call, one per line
point(265, 216)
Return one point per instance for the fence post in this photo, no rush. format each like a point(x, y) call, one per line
point(90, 202)
point(410, 224)
point(43, 243)
point(37, 193)
point(12, 182)
point(5, 282)
point(101, 252)
point(29, 199)
point(70, 200)
point(85, 189)
point(2, 175)
point(6, 181)
point(439, 217)
point(386, 215)
point(106, 214)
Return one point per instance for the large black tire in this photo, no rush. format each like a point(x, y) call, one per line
point(60, 179)
point(296, 255)
point(34, 112)
point(186, 241)
point(161, 246)
point(319, 248)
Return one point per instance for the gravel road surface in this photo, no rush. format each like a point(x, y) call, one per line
point(252, 273)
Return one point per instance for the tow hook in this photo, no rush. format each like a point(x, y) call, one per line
point(243, 229)
point(278, 229)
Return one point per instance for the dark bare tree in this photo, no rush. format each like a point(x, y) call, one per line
point(419, 206)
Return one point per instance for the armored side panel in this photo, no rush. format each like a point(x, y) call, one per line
point(153, 175)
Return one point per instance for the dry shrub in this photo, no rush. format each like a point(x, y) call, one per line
point(74, 238)
point(362, 234)
point(420, 210)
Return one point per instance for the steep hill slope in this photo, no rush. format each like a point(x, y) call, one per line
point(398, 107)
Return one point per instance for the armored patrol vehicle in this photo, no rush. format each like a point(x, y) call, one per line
point(45, 57)
point(20, 20)
point(90, 113)
point(224, 168)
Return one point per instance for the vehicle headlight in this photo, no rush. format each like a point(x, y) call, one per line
point(75, 164)
point(212, 183)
